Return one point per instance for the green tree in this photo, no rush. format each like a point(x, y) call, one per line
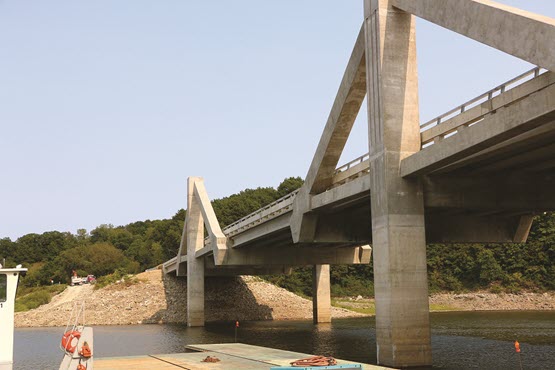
point(289, 185)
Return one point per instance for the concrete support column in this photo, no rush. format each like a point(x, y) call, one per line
point(195, 267)
point(321, 298)
point(399, 245)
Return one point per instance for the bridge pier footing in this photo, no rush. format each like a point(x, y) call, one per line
point(398, 228)
point(321, 298)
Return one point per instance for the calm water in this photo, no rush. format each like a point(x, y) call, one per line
point(467, 340)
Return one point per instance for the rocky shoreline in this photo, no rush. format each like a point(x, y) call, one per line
point(485, 301)
point(155, 299)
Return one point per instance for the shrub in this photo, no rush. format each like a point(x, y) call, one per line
point(32, 300)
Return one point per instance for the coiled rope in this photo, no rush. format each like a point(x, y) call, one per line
point(314, 361)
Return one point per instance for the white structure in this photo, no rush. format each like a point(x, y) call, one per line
point(8, 286)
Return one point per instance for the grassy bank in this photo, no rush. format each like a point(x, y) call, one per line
point(367, 306)
point(29, 298)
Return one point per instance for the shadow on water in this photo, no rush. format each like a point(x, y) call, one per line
point(467, 340)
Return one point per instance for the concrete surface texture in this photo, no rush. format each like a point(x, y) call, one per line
point(477, 173)
point(397, 206)
point(321, 290)
point(235, 356)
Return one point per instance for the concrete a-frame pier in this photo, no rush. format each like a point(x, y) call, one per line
point(477, 173)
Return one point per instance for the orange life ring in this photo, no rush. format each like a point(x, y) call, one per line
point(67, 340)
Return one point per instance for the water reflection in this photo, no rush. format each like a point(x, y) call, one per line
point(469, 340)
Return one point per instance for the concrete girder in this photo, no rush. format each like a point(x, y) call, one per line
point(352, 189)
point(471, 228)
point(210, 269)
point(543, 166)
point(297, 255)
point(340, 122)
point(349, 226)
point(273, 226)
point(523, 34)
point(499, 192)
point(474, 114)
point(214, 270)
point(537, 137)
point(505, 123)
point(218, 240)
point(518, 160)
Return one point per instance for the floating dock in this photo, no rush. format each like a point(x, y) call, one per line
point(232, 356)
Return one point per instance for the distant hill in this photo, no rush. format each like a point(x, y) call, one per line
point(134, 247)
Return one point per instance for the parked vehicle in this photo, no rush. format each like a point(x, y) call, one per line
point(77, 280)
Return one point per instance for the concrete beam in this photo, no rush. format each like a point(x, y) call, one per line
point(477, 112)
point(341, 193)
point(212, 270)
point(507, 122)
point(297, 255)
point(347, 226)
point(523, 34)
point(182, 252)
point(218, 240)
point(340, 122)
point(321, 294)
point(499, 192)
point(472, 228)
point(539, 136)
point(338, 127)
point(263, 230)
point(523, 228)
point(398, 233)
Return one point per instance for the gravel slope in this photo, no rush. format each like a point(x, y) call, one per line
point(157, 300)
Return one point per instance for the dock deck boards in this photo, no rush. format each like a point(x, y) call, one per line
point(236, 356)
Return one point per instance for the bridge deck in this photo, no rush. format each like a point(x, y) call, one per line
point(446, 126)
point(506, 130)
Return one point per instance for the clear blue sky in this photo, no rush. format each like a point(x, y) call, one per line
point(106, 107)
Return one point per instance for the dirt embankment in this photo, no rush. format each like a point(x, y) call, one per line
point(485, 301)
point(476, 301)
point(156, 300)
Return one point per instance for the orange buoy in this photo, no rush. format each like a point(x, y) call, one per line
point(68, 338)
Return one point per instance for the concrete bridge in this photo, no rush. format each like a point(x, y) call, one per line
point(477, 173)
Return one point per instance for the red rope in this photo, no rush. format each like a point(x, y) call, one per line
point(314, 361)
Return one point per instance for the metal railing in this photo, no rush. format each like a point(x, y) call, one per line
point(352, 163)
point(285, 203)
point(488, 95)
point(251, 218)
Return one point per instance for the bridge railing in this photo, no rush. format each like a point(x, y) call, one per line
point(474, 110)
point(488, 95)
point(272, 210)
point(352, 163)
point(359, 166)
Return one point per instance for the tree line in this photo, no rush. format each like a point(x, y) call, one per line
point(52, 256)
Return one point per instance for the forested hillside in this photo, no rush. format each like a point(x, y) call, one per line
point(143, 244)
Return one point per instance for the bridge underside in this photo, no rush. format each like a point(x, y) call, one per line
point(478, 173)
